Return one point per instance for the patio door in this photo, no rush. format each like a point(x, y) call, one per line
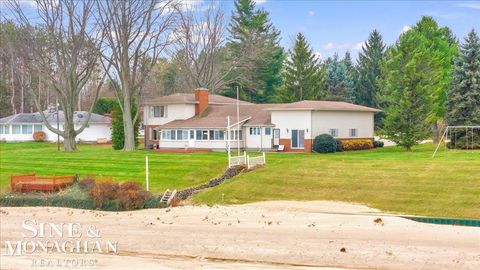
point(298, 138)
point(276, 137)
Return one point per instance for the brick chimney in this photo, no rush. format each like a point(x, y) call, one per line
point(201, 96)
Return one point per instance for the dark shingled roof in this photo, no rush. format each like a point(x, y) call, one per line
point(189, 98)
point(32, 118)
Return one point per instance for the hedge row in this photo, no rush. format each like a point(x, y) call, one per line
point(357, 144)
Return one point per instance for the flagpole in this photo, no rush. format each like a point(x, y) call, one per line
point(238, 123)
point(228, 139)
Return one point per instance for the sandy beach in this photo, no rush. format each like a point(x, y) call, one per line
point(266, 235)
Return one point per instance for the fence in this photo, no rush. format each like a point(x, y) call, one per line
point(237, 160)
point(32, 182)
point(256, 161)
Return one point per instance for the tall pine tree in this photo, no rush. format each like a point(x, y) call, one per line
point(301, 73)
point(464, 93)
point(255, 51)
point(368, 70)
point(338, 83)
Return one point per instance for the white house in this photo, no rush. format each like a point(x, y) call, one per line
point(199, 121)
point(20, 127)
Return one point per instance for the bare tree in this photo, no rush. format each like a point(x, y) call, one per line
point(136, 35)
point(200, 38)
point(68, 57)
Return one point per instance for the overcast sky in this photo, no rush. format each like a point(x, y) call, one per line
point(338, 26)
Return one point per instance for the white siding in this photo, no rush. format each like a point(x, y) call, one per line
point(323, 121)
point(174, 112)
point(260, 141)
point(90, 134)
point(284, 120)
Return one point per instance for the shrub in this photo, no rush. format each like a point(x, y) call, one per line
point(103, 192)
point(130, 185)
point(87, 183)
point(357, 144)
point(132, 199)
point(339, 145)
point(324, 143)
point(377, 144)
point(39, 136)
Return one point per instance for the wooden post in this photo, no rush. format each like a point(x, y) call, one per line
point(264, 161)
point(146, 171)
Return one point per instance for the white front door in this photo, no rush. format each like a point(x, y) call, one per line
point(276, 137)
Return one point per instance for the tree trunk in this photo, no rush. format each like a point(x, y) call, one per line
point(22, 94)
point(12, 99)
point(128, 127)
point(69, 143)
point(436, 132)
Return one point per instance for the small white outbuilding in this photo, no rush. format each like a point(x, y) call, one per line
point(20, 127)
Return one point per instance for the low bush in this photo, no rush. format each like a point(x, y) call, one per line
point(324, 143)
point(377, 144)
point(39, 136)
point(103, 192)
point(87, 183)
point(339, 145)
point(357, 144)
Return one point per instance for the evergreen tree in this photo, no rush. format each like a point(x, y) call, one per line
point(406, 91)
point(368, 70)
point(255, 50)
point(301, 75)
point(351, 73)
point(338, 83)
point(442, 48)
point(464, 93)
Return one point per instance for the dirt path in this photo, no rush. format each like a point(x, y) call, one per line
point(267, 235)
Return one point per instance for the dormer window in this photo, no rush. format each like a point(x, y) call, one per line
point(159, 111)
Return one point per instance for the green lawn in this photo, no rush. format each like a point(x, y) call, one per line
point(387, 178)
point(166, 170)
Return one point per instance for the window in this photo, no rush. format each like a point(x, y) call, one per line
point(353, 132)
point(298, 138)
point(219, 135)
point(333, 132)
point(268, 131)
point(254, 131)
point(6, 129)
point(16, 129)
point(39, 128)
point(192, 134)
point(155, 134)
point(182, 134)
point(159, 111)
point(202, 135)
point(27, 129)
point(236, 135)
point(1, 129)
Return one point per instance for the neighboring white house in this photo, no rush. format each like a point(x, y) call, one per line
point(199, 121)
point(20, 127)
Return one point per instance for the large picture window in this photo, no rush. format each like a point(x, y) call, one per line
point(298, 138)
point(27, 129)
